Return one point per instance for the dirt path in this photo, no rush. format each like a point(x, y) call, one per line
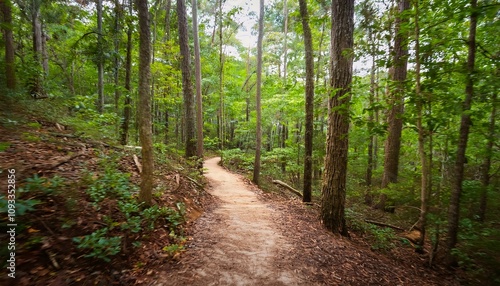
point(236, 244)
point(246, 241)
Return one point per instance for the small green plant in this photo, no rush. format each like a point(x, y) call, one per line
point(34, 125)
point(383, 238)
point(111, 184)
point(21, 206)
point(44, 185)
point(30, 137)
point(4, 146)
point(100, 246)
point(173, 249)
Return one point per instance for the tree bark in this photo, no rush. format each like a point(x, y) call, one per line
point(145, 131)
point(221, 81)
point(199, 99)
point(456, 191)
point(395, 120)
point(36, 87)
point(485, 168)
point(424, 160)
point(10, 68)
point(187, 89)
point(308, 138)
point(127, 109)
point(116, 42)
point(334, 182)
point(258, 143)
point(396, 102)
point(285, 42)
point(100, 60)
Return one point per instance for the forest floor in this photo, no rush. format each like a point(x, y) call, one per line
point(253, 239)
point(235, 233)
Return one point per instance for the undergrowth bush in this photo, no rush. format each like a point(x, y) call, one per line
point(133, 217)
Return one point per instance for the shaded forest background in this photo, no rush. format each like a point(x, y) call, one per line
point(418, 65)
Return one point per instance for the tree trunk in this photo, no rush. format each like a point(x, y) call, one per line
point(371, 120)
point(221, 81)
point(333, 189)
point(485, 168)
point(187, 89)
point(396, 102)
point(36, 87)
point(127, 109)
point(199, 99)
point(258, 143)
point(166, 38)
point(100, 60)
point(308, 138)
point(116, 42)
point(10, 68)
point(320, 51)
point(285, 42)
point(456, 188)
point(424, 160)
point(144, 108)
point(168, 7)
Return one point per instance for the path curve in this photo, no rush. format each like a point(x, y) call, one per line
point(238, 243)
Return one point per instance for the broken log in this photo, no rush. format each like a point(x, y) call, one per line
point(288, 187)
point(137, 163)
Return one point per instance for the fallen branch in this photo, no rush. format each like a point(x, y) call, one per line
point(384, 224)
point(65, 160)
point(40, 168)
point(137, 163)
point(288, 187)
point(195, 182)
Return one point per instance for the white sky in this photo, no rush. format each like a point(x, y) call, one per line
point(244, 33)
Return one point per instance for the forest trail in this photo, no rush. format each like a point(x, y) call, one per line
point(236, 244)
point(249, 240)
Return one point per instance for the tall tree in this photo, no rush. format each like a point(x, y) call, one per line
point(189, 121)
point(258, 143)
point(144, 108)
point(333, 189)
point(116, 56)
point(10, 68)
point(285, 42)
point(486, 166)
point(127, 109)
point(396, 101)
point(31, 10)
point(465, 122)
point(309, 101)
point(100, 59)
point(425, 185)
point(221, 77)
point(197, 70)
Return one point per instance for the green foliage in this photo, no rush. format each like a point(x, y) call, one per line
point(237, 159)
point(133, 217)
point(381, 238)
point(110, 183)
point(100, 246)
point(22, 206)
point(43, 184)
point(34, 186)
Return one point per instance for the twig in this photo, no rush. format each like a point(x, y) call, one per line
point(48, 228)
point(52, 258)
point(195, 182)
